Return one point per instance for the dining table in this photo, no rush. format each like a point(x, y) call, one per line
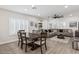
point(33, 37)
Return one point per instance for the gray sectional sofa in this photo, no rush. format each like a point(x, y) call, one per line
point(66, 32)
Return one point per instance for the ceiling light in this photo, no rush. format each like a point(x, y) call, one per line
point(70, 15)
point(33, 5)
point(38, 14)
point(25, 9)
point(66, 6)
point(64, 24)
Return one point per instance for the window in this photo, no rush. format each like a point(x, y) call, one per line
point(16, 24)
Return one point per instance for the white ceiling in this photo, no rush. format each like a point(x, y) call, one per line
point(43, 10)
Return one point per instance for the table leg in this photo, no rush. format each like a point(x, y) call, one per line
point(76, 45)
point(73, 45)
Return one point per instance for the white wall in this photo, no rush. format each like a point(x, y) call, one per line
point(4, 24)
point(60, 23)
point(56, 23)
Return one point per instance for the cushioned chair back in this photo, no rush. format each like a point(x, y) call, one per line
point(76, 33)
point(43, 34)
point(23, 35)
point(18, 33)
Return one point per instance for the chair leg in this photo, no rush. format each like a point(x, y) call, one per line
point(26, 46)
point(41, 45)
point(76, 45)
point(21, 45)
point(41, 49)
point(73, 45)
point(18, 42)
point(45, 45)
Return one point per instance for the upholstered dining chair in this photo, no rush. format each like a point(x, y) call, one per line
point(24, 40)
point(19, 37)
point(42, 41)
point(75, 40)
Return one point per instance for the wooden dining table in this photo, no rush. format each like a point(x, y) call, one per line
point(34, 37)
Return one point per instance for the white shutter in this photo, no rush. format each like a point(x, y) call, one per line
point(16, 24)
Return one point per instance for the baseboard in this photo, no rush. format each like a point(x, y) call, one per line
point(1, 43)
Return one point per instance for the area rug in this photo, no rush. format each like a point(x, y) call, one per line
point(65, 40)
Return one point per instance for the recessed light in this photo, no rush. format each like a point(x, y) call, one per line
point(25, 9)
point(70, 15)
point(64, 24)
point(33, 5)
point(38, 14)
point(66, 6)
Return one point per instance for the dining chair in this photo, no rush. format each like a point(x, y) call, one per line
point(75, 40)
point(42, 41)
point(19, 37)
point(24, 41)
